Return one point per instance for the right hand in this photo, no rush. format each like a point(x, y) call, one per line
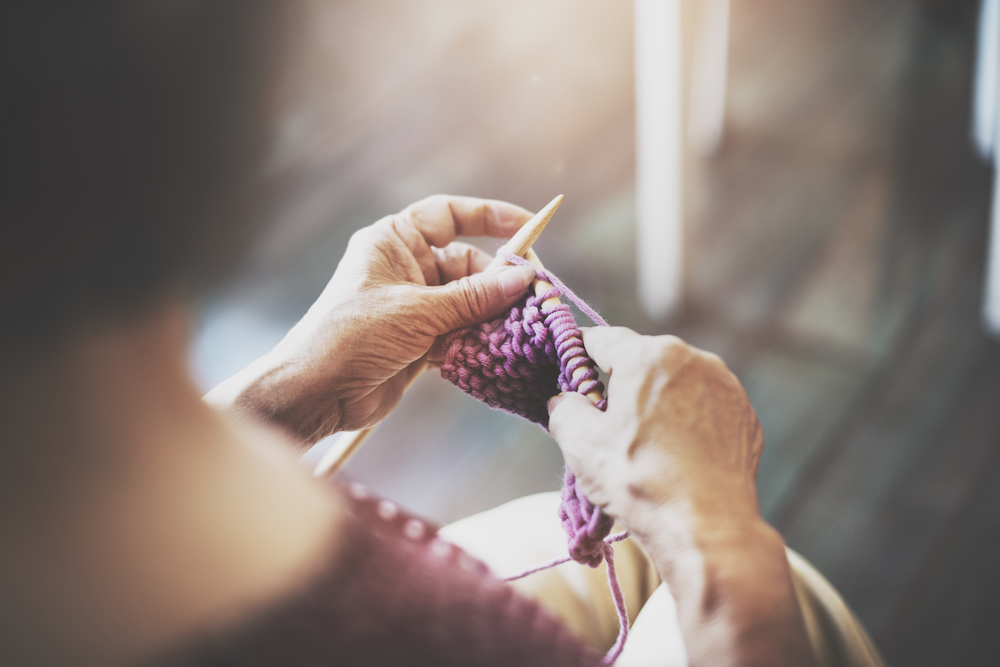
point(678, 434)
point(674, 458)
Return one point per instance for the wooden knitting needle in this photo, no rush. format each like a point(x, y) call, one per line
point(344, 447)
point(526, 236)
point(337, 456)
point(541, 287)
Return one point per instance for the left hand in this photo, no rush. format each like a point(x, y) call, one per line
point(403, 282)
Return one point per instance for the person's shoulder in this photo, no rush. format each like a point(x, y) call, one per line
point(391, 592)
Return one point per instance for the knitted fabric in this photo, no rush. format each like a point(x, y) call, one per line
point(519, 361)
point(516, 363)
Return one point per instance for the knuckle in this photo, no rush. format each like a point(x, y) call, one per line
point(384, 228)
point(431, 204)
point(475, 297)
point(561, 421)
point(408, 217)
point(672, 342)
point(456, 250)
point(670, 351)
point(616, 333)
point(559, 408)
point(557, 425)
point(364, 235)
point(710, 359)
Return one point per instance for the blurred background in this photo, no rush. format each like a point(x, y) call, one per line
point(834, 239)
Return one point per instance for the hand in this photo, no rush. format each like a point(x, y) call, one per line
point(674, 458)
point(679, 430)
point(403, 282)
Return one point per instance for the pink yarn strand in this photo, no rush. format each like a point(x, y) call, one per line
point(567, 292)
point(559, 560)
point(619, 597)
point(544, 565)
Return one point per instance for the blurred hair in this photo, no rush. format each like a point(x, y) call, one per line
point(131, 133)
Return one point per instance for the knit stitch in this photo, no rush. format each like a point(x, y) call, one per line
point(520, 360)
point(516, 363)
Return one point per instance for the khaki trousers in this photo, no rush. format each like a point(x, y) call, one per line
point(527, 531)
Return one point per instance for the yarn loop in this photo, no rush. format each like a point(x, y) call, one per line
point(584, 523)
point(516, 363)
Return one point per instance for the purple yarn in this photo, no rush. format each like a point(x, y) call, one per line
point(584, 523)
point(558, 560)
point(516, 363)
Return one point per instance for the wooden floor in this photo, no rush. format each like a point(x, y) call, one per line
point(834, 259)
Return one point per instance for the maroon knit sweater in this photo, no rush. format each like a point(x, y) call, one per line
point(394, 594)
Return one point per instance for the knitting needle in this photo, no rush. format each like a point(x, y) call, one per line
point(344, 447)
point(541, 287)
point(337, 456)
point(526, 236)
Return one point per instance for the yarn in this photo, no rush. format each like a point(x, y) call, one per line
point(519, 361)
point(516, 363)
point(586, 524)
point(558, 560)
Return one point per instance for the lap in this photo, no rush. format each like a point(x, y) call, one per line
point(527, 531)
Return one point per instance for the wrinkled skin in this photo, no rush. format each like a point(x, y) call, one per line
point(404, 281)
point(678, 427)
point(674, 458)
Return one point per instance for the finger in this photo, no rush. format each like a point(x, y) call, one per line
point(435, 355)
point(473, 299)
point(457, 260)
point(573, 422)
point(420, 253)
point(443, 218)
point(415, 370)
point(609, 346)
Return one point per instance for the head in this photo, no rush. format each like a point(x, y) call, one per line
point(132, 134)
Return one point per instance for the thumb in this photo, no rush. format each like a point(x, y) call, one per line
point(574, 422)
point(477, 298)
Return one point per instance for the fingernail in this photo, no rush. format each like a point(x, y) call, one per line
point(553, 402)
point(515, 279)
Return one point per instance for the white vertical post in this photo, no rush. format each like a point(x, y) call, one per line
point(659, 210)
point(987, 79)
point(707, 112)
point(991, 292)
point(985, 126)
